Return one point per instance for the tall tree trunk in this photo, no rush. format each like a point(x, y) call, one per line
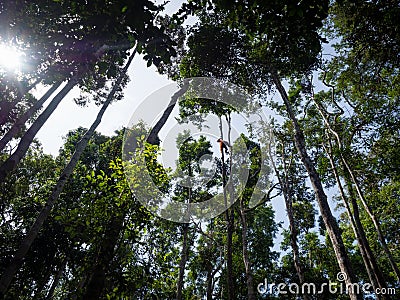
point(104, 257)
point(209, 292)
point(374, 219)
point(246, 258)
point(11, 163)
point(153, 135)
point(371, 265)
point(326, 213)
point(26, 243)
point(15, 129)
point(7, 107)
point(229, 253)
point(284, 184)
point(56, 280)
point(211, 269)
point(184, 258)
point(229, 219)
point(371, 214)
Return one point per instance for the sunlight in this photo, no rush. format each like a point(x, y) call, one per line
point(9, 58)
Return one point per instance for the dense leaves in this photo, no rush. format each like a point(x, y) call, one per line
point(330, 151)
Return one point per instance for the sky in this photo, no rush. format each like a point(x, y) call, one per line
point(68, 116)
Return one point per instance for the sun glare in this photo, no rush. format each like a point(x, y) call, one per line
point(9, 58)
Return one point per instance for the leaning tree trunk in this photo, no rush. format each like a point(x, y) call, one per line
point(326, 213)
point(371, 265)
point(153, 135)
point(15, 129)
point(26, 243)
point(374, 219)
point(371, 214)
point(373, 270)
point(11, 163)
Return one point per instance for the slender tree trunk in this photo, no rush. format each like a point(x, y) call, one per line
point(284, 183)
point(26, 243)
point(7, 107)
point(185, 246)
point(374, 273)
point(153, 136)
point(229, 218)
point(229, 254)
point(209, 291)
point(326, 213)
point(246, 259)
point(11, 163)
point(56, 280)
point(374, 219)
point(184, 258)
point(104, 257)
point(15, 129)
point(373, 270)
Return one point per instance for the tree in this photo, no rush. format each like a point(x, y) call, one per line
point(275, 29)
point(91, 55)
point(189, 191)
point(33, 232)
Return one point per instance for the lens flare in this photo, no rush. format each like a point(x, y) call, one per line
point(10, 58)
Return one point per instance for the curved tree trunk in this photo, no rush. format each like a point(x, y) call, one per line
point(12, 162)
point(153, 135)
point(326, 213)
point(371, 265)
point(374, 219)
point(26, 243)
point(371, 214)
point(15, 129)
